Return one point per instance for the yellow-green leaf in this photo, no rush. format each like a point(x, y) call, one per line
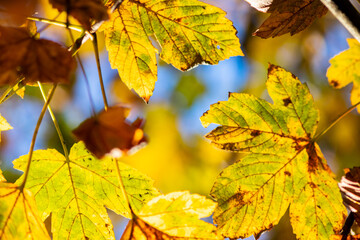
point(76, 190)
point(189, 32)
point(283, 166)
point(4, 125)
point(173, 216)
point(344, 69)
point(19, 218)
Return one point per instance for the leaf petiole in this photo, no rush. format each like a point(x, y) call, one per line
point(32, 145)
point(56, 124)
point(57, 23)
point(96, 51)
point(341, 116)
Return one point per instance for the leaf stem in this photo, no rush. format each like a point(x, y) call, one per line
point(96, 51)
point(346, 14)
point(32, 145)
point(122, 186)
point(57, 23)
point(56, 124)
point(92, 105)
point(341, 116)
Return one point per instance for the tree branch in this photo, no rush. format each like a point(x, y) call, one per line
point(347, 15)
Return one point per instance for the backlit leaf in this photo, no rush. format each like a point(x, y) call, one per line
point(76, 190)
point(344, 69)
point(4, 125)
point(284, 166)
point(173, 216)
point(189, 32)
point(35, 59)
point(83, 10)
point(287, 16)
point(19, 218)
point(110, 133)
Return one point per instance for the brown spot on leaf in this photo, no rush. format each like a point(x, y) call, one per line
point(255, 133)
point(312, 185)
point(272, 68)
point(334, 83)
point(287, 101)
point(313, 162)
point(287, 173)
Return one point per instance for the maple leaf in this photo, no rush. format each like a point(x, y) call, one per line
point(189, 32)
point(287, 16)
point(110, 133)
point(19, 218)
point(344, 69)
point(173, 216)
point(83, 10)
point(284, 166)
point(35, 59)
point(4, 125)
point(75, 191)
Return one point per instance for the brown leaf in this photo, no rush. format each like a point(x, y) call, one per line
point(109, 132)
point(14, 13)
point(287, 16)
point(35, 59)
point(83, 10)
point(350, 189)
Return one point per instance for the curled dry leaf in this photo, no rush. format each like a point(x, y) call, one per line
point(83, 10)
point(350, 189)
point(110, 133)
point(35, 59)
point(287, 16)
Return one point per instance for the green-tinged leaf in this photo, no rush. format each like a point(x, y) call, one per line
point(189, 32)
point(173, 216)
point(19, 218)
point(344, 69)
point(75, 191)
point(283, 166)
point(4, 125)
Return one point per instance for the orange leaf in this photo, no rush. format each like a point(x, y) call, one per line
point(109, 132)
point(35, 59)
point(83, 10)
point(287, 16)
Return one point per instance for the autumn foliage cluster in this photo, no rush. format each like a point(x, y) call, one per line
point(281, 169)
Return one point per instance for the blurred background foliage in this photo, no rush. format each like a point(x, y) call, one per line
point(177, 156)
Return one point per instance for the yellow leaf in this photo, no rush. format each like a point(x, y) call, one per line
point(344, 69)
point(4, 125)
point(19, 218)
point(173, 216)
point(189, 32)
point(284, 166)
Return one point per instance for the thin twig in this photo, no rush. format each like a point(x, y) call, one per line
point(341, 116)
point(32, 145)
point(56, 124)
point(96, 51)
point(347, 15)
point(77, 28)
point(92, 105)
